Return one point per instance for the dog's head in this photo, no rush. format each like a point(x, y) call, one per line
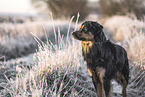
point(89, 31)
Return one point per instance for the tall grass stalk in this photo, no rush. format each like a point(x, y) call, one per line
point(53, 27)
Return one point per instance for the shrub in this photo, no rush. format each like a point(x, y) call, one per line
point(65, 8)
point(136, 47)
point(122, 7)
point(123, 27)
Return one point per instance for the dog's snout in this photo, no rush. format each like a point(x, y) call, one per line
point(73, 33)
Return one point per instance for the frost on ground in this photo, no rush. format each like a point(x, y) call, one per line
point(9, 70)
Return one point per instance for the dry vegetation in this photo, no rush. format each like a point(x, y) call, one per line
point(122, 7)
point(18, 39)
point(56, 72)
point(58, 69)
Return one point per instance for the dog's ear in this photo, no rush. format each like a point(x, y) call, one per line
point(97, 31)
point(97, 25)
point(101, 26)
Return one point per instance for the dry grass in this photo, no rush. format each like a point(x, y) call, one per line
point(122, 27)
point(17, 40)
point(15, 33)
point(58, 70)
point(136, 48)
point(55, 72)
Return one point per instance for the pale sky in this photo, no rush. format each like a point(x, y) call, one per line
point(16, 6)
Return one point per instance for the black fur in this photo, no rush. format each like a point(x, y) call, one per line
point(103, 56)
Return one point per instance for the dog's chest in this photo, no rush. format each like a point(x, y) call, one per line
point(86, 48)
point(87, 45)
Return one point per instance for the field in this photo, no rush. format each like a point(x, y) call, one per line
point(48, 61)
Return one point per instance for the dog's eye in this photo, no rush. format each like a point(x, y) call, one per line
point(85, 29)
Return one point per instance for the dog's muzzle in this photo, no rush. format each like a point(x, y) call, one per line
point(74, 33)
point(75, 36)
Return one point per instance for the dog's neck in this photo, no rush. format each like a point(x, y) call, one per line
point(90, 43)
point(88, 48)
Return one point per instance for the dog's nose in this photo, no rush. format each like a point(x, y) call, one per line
point(73, 33)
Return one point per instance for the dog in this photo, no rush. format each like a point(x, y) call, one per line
point(105, 60)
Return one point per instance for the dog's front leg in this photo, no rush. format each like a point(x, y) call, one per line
point(107, 86)
point(98, 84)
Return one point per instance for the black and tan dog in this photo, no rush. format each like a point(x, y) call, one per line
point(105, 60)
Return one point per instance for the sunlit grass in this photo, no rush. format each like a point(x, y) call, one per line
point(136, 48)
point(123, 27)
point(57, 71)
point(16, 39)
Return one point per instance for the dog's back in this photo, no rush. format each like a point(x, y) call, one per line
point(115, 58)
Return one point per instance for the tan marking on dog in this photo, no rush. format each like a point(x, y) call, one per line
point(122, 80)
point(102, 60)
point(87, 45)
point(100, 90)
point(118, 77)
point(89, 36)
point(90, 72)
point(81, 27)
point(101, 73)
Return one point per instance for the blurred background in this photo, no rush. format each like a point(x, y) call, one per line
point(20, 17)
point(65, 9)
